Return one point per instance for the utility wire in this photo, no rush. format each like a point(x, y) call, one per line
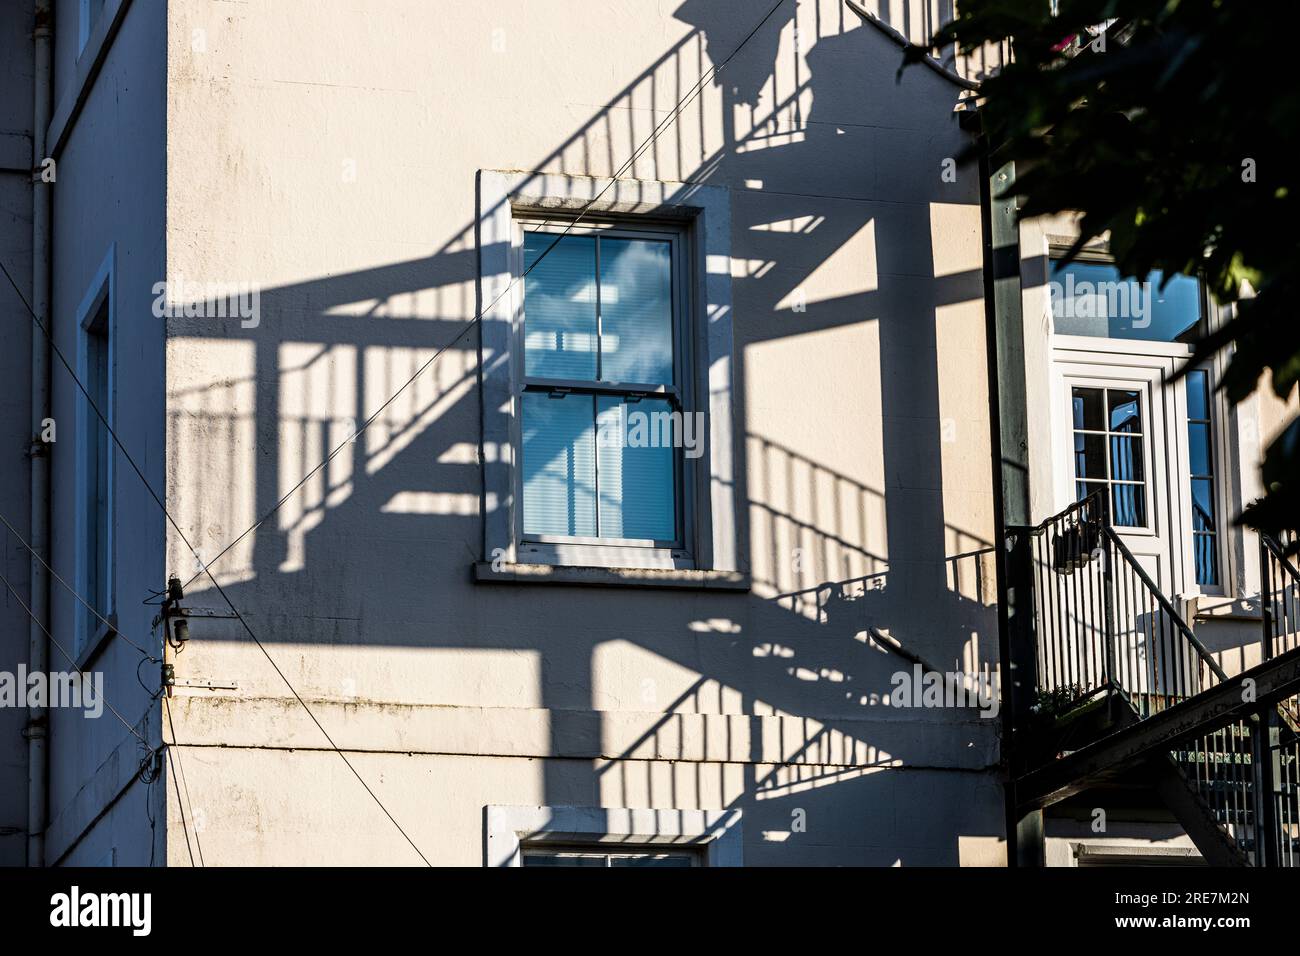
point(211, 577)
point(146, 658)
point(206, 567)
point(23, 604)
point(184, 784)
point(71, 590)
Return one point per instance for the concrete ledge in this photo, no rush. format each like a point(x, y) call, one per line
point(486, 573)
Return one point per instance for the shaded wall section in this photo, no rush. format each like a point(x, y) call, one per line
point(16, 23)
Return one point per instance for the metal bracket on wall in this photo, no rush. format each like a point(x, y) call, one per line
point(200, 683)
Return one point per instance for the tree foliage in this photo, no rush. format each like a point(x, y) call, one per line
point(1174, 130)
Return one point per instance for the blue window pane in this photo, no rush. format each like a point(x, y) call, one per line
point(1205, 550)
point(1198, 446)
point(1126, 459)
point(560, 306)
point(1125, 411)
point(1083, 489)
point(636, 454)
point(1089, 455)
point(636, 316)
point(1198, 395)
point(1129, 505)
point(1088, 409)
point(1092, 298)
point(1202, 505)
point(559, 465)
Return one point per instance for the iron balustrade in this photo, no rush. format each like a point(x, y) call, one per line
point(1279, 597)
point(1102, 623)
point(1103, 628)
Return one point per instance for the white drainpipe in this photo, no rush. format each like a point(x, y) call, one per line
point(38, 756)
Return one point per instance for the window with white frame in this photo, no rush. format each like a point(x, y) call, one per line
point(606, 335)
point(607, 426)
point(1091, 298)
point(1108, 450)
point(612, 837)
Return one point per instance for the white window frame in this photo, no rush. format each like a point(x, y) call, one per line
point(1220, 412)
point(1235, 483)
point(709, 555)
point(550, 548)
point(717, 834)
point(1092, 380)
point(90, 631)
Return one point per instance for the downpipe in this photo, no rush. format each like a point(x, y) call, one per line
point(37, 730)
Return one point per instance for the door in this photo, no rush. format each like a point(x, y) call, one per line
point(1124, 422)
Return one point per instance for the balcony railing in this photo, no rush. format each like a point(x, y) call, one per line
point(1103, 629)
point(1103, 624)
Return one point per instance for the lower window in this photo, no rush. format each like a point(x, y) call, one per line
point(596, 857)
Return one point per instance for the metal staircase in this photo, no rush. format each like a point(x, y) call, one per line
point(1124, 691)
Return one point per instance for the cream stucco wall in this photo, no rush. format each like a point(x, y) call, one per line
point(328, 152)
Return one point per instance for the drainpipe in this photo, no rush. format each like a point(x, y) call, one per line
point(38, 756)
point(1009, 424)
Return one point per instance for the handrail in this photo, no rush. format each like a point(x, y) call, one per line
point(1272, 544)
point(1079, 505)
point(1102, 622)
point(1166, 606)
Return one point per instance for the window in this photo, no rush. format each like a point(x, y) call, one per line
point(94, 453)
point(89, 15)
point(604, 421)
point(609, 837)
point(1108, 450)
point(1200, 451)
point(595, 857)
point(608, 434)
point(1093, 298)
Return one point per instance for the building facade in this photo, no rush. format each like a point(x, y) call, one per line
point(570, 426)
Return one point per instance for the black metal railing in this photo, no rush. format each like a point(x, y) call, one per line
point(1103, 627)
point(1103, 624)
point(1284, 757)
point(1280, 610)
point(1219, 766)
point(1279, 597)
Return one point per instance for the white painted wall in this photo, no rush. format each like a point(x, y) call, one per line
point(329, 152)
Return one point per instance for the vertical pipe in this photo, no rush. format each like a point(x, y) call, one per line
point(38, 652)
